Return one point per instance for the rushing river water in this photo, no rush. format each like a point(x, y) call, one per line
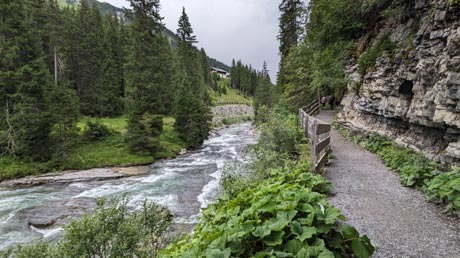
point(185, 185)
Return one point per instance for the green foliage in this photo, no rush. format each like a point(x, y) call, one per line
point(224, 94)
point(64, 111)
point(279, 143)
point(317, 63)
point(191, 104)
point(144, 132)
point(414, 170)
point(192, 117)
point(368, 59)
point(235, 120)
point(272, 209)
point(281, 216)
point(111, 231)
point(244, 78)
point(263, 92)
point(111, 151)
point(445, 189)
point(96, 131)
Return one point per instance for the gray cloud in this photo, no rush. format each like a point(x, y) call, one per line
point(227, 29)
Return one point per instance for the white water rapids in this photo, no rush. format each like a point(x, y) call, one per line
point(185, 185)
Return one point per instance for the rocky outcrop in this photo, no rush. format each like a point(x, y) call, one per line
point(413, 93)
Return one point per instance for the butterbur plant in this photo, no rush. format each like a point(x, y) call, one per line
point(445, 189)
point(280, 218)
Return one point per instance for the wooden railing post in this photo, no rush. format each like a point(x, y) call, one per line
point(313, 140)
point(313, 129)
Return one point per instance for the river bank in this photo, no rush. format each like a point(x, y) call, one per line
point(184, 184)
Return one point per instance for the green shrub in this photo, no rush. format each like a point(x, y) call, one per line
point(445, 189)
point(279, 143)
point(96, 131)
point(144, 132)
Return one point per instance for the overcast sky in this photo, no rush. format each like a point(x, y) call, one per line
point(227, 29)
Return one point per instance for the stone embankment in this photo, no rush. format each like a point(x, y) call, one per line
point(231, 111)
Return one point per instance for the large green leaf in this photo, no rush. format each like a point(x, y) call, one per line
point(217, 253)
point(303, 253)
point(274, 239)
point(261, 231)
point(294, 246)
point(349, 231)
point(283, 218)
point(362, 248)
point(302, 232)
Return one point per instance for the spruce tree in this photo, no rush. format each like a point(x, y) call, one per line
point(206, 68)
point(86, 66)
point(191, 110)
point(262, 96)
point(112, 68)
point(24, 79)
point(290, 30)
point(149, 76)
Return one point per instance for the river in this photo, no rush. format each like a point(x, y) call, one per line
point(185, 185)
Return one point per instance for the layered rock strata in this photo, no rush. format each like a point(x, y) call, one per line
point(412, 94)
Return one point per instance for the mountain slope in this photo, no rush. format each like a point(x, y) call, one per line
point(106, 7)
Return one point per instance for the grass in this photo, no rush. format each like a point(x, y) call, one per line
point(111, 151)
point(231, 96)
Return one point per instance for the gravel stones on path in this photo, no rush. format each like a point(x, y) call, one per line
point(398, 220)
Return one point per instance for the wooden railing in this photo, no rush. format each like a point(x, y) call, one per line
point(319, 134)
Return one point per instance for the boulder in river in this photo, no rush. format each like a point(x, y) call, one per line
point(56, 213)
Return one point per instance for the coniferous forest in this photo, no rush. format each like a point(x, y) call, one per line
point(72, 76)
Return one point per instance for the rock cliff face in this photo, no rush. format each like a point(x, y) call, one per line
point(412, 94)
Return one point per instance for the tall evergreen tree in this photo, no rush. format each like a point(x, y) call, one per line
point(290, 30)
point(149, 76)
point(206, 68)
point(263, 96)
point(112, 67)
point(192, 113)
point(24, 80)
point(86, 66)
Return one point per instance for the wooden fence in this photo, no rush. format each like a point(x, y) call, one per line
point(319, 134)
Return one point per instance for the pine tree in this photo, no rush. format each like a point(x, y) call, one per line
point(192, 117)
point(262, 96)
point(290, 30)
point(63, 110)
point(191, 111)
point(206, 68)
point(24, 80)
point(112, 67)
point(86, 66)
point(149, 76)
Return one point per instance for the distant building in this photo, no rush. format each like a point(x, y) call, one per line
point(220, 72)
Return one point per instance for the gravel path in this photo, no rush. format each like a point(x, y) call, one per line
point(397, 219)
